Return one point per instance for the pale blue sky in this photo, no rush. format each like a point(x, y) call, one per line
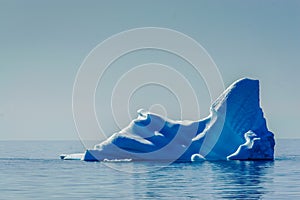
point(42, 44)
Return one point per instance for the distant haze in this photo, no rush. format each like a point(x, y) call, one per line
point(43, 43)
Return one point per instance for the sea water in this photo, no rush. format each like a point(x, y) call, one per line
point(33, 170)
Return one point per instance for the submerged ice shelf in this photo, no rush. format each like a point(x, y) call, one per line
point(235, 130)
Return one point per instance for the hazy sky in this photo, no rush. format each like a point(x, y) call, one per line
point(43, 43)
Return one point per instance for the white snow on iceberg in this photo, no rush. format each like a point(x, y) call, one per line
point(235, 130)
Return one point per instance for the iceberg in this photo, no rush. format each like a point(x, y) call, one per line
point(235, 130)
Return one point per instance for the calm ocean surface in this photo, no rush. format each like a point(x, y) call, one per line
point(33, 170)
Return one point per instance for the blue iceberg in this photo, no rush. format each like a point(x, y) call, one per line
point(235, 130)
